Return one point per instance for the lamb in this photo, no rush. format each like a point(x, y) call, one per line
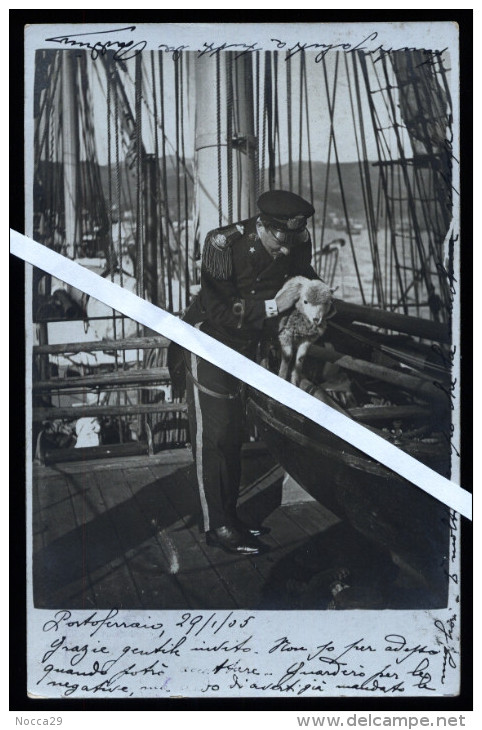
point(304, 325)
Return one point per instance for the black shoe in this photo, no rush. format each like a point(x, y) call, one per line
point(231, 540)
point(253, 530)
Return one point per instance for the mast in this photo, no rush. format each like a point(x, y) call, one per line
point(212, 164)
point(245, 141)
point(70, 142)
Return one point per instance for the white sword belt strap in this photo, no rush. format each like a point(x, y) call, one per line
point(208, 391)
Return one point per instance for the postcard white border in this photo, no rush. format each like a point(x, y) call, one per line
point(420, 628)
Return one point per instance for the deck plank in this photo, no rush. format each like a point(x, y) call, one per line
point(205, 583)
point(132, 532)
point(312, 517)
point(101, 548)
point(180, 529)
point(59, 564)
point(155, 566)
point(122, 532)
point(239, 574)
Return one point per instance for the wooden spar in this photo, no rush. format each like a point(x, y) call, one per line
point(416, 326)
point(134, 377)
point(129, 343)
point(70, 142)
point(88, 411)
point(421, 388)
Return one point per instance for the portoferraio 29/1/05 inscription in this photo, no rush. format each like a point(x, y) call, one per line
point(218, 652)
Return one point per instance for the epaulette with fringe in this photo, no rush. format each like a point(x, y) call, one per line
point(217, 255)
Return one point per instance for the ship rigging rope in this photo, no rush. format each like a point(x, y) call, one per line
point(111, 202)
point(229, 131)
point(256, 153)
point(118, 200)
point(46, 111)
point(92, 184)
point(150, 116)
point(239, 176)
point(119, 246)
point(182, 58)
point(331, 111)
point(139, 177)
point(300, 134)
point(411, 203)
point(109, 171)
point(276, 133)
point(147, 90)
point(218, 137)
point(365, 179)
point(328, 164)
point(164, 185)
point(177, 234)
point(268, 118)
point(55, 197)
point(263, 132)
point(160, 248)
point(310, 165)
point(379, 137)
point(432, 222)
point(372, 227)
point(125, 139)
point(288, 119)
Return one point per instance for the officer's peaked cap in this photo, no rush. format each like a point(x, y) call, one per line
point(284, 209)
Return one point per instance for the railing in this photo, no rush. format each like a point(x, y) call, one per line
point(141, 379)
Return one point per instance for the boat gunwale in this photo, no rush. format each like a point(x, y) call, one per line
point(348, 455)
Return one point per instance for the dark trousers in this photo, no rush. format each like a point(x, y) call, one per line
point(216, 423)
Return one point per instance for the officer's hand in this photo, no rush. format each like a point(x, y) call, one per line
point(287, 297)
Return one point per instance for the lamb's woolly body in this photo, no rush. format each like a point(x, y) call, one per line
point(297, 330)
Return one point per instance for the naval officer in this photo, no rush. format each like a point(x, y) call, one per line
point(244, 267)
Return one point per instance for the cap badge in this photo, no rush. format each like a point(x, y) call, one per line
point(293, 223)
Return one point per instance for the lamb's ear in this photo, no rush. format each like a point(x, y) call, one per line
point(299, 282)
point(294, 284)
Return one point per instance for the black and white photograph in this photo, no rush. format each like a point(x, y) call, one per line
point(261, 498)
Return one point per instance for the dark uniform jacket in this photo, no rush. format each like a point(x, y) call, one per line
point(237, 276)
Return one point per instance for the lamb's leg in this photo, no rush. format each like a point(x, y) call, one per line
point(300, 356)
point(286, 356)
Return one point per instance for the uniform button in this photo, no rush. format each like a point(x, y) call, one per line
point(286, 276)
point(258, 278)
point(253, 291)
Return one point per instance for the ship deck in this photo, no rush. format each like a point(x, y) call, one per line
point(126, 533)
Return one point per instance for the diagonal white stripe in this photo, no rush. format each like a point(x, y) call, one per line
point(215, 352)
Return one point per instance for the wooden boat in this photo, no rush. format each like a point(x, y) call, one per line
point(395, 367)
point(413, 527)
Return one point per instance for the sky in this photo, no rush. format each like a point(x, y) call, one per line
point(315, 109)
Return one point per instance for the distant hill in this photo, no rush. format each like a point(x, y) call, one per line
point(350, 179)
point(51, 176)
point(349, 175)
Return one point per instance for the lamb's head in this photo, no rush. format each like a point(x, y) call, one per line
point(316, 302)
